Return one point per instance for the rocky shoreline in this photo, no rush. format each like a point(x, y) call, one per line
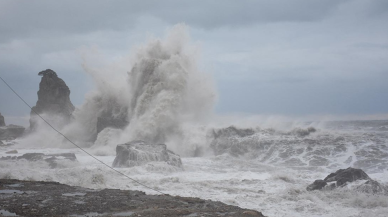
point(36, 198)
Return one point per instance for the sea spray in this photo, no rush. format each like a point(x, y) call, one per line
point(159, 90)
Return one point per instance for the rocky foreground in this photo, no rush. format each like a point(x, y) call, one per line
point(32, 198)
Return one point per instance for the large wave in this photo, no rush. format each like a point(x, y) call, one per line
point(158, 90)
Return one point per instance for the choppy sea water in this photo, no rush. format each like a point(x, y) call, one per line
point(270, 174)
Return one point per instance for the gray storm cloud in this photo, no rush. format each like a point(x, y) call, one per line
point(267, 57)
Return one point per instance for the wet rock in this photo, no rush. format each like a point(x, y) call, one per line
point(53, 100)
point(110, 121)
point(55, 199)
point(51, 159)
point(12, 152)
point(138, 152)
point(113, 114)
point(316, 185)
point(11, 132)
point(2, 122)
point(344, 177)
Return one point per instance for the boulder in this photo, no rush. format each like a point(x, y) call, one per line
point(2, 122)
point(53, 99)
point(139, 152)
point(51, 159)
point(11, 132)
point(344, 177)
point(317, 185)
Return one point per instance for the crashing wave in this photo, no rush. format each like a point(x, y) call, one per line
point(156, 91)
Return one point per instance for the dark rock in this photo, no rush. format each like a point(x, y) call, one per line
point(110, 121)
point(32, 156)
point(12, 152)
point(2, 122)
point(342, 176)
point(51, 159)
point(53, 99)
point(317, 185)
point(55, 199)
point(138, 152)
point(113, 114)
point(11, 132)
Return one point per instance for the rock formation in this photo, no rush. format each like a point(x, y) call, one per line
point(138, 152)
point(2, 122)
point(53, 99)
point(32, 198)
point(109, 119)
point(11, 132)
point(343, 177)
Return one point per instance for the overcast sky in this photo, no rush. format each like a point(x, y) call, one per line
point(268, 57)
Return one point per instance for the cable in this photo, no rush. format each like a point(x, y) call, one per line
point(134, 180)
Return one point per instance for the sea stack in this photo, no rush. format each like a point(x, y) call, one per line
point(2, 122)
point(9, 132)
point(53, 100)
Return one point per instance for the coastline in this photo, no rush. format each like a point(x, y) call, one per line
point(38, 198)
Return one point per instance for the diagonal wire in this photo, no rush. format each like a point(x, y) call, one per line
point(134, 180)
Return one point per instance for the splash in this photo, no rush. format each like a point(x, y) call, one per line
point(157, 90)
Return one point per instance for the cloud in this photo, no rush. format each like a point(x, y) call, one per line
point(330, 53)
point(26, 18)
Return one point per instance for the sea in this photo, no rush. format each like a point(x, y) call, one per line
point(166, 96)
point(270, 177)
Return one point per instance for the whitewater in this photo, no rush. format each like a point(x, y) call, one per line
point(165, 98)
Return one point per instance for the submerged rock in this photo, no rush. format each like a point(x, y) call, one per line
point(232, 131)
point(138, 153)
point(53, 99)
point(2, 122)
point(372, 187)
point(303, 132)
point(11, 132)
point(344, 177)
point(51, 159)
